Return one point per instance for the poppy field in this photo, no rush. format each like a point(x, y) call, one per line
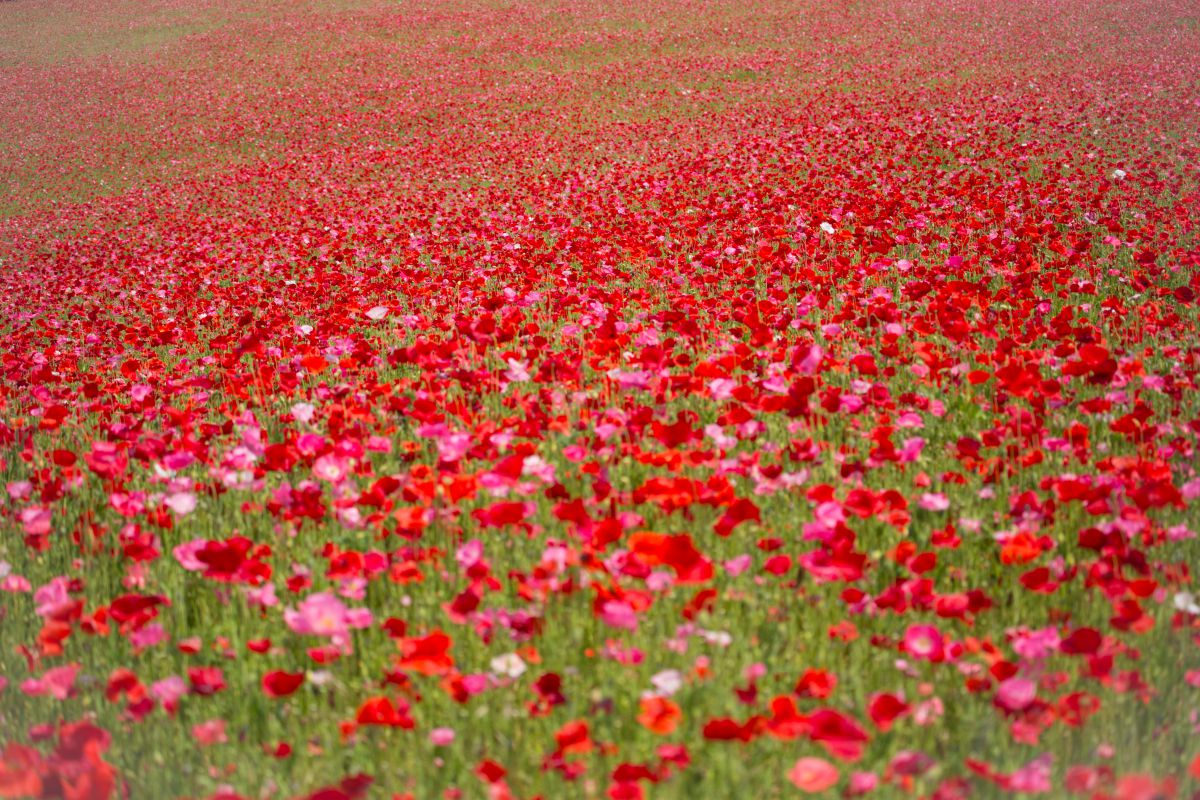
point(573, 399)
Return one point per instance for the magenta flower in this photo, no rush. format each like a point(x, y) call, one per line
point(924, 642)
point(619, 614)
point(1016, 694)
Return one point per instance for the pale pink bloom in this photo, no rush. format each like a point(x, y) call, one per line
point(35, 520)
point(147, 636)
point(721, 388)
point(537, 467)
point(309, 444)
point(127, 505)
point(350, 517)
point(619, 614)
point(262, 596)
point(1180, 533)
point(441, 737)
point(177, 460)
point(629, 656)
point(1016, 694)
point(58, 682)
point(168, 691)
point(909, 762)
point(453, 446)
point(1036, 645)
point(19, 490)
point(934, 501)
point(377, 313)
point(659, 581)
point(509, 665)
point(239, 458)
point(667, 682)
point(1034, 777)
point(469, 554)
point(630, 380)
point(813, 775)
point(210, 732)
point(323, 614)
point(737, 565)
point(475, 683)
point(850, 404)
point(517, 372)
point(606, 430)
point(928, 712)
point(353, 589)
point(776, 384)
point(862, 783)
point(810, 359)
point(185, 554)
point(252, 438)
point(829, 514)
point(330, 468)
point(754, 671)
point(719, 437)
point(182, 503)
point(303, 412)
point(379, 444)
point(910, 451)
point(15, 583)
point(52, 597)
point(1191, 489)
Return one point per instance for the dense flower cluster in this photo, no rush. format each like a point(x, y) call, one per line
point(623, 400)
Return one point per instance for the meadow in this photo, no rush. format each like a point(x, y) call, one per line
point(572, 399)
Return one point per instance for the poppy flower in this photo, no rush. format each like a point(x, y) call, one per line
point(427, 655)
point(659, 714)
point(813, 775)
point(279, 683)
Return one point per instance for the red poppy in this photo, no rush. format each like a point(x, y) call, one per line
point(278, 683)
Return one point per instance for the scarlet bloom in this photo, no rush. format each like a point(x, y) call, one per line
point(234, 560)
point(659, 714)
point(382, 711)
point(1083, 641)
point(574, 737)
point(885, 709)
point(677, 552)
point(813, 775)
point(20, 772)
point(842, 736)
point(428, 655)
point(206, 681)
point(1020, 549)
point(1143, 787)
point(278, 683)
point(726, 729)
point(816, 683)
